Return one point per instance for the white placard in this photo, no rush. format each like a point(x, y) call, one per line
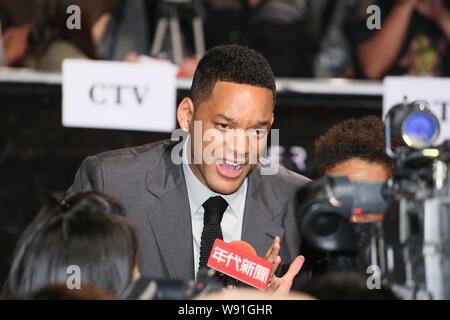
point(119, 95)
point(435, 91)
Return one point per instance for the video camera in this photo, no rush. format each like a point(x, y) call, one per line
point(411, 242)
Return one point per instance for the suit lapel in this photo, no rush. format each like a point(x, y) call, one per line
point(170, 218)
point(261, 207)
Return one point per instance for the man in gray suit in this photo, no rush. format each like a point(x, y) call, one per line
point(214, 184)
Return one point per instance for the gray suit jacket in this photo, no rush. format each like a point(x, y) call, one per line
point(153, 190)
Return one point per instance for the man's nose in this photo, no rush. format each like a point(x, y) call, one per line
point(237, 145)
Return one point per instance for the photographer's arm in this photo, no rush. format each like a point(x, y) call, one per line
point(378, 53)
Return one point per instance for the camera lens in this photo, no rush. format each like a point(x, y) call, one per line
point(420, 129)
point(326, 224)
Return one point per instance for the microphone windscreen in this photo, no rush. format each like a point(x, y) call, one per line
point(245, 246)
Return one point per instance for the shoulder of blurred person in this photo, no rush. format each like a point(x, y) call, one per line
point(51, 60)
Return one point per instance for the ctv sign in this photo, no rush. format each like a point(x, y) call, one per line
point(105, 93)
point(118, 95)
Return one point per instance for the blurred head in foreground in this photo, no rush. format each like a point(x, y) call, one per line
point(61, 292)
point(79, 238)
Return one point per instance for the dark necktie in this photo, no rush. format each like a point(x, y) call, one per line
point(214, 210)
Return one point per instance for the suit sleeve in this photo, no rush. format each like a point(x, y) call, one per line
point(88, 177)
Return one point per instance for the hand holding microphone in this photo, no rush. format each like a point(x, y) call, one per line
point(238, 260)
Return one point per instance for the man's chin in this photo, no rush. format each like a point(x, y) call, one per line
point(225, 187)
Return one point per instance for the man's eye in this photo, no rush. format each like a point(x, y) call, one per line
point(222, 126)
point(260, 133)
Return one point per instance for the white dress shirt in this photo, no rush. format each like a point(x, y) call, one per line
point(198, 193)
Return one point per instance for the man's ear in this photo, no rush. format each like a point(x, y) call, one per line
point(185, 113)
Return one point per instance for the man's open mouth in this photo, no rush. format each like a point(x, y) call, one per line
point(229, 169)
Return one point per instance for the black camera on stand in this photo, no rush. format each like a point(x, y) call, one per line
point(411, 243)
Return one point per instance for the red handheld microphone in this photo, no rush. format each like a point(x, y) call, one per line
point(239, 261)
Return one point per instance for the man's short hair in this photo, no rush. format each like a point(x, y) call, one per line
point(360, 138)
point(231, 63)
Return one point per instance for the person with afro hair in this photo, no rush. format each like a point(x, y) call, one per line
point(356, 148)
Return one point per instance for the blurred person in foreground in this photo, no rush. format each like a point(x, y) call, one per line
point(414, 39)
point(87, 291)
point(86, 230)
point(48, 40)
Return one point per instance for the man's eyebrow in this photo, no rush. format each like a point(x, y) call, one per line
point(224, 117)
point(261, 123)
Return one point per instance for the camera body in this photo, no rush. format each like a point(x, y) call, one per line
point(416, 232)
point(411, 244)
